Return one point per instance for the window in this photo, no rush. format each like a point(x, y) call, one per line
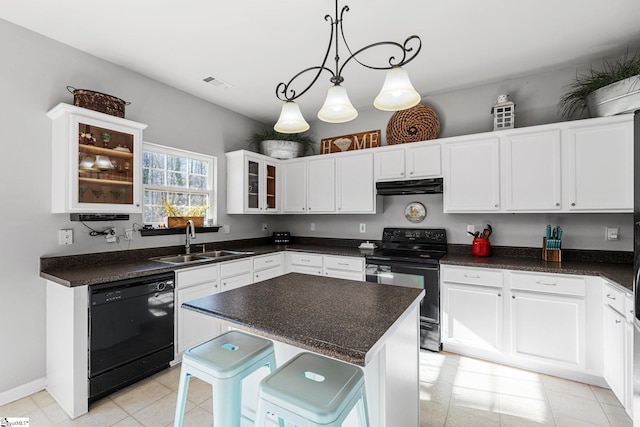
point(182, 178)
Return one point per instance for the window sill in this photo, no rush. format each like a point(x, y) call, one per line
point(167, 231)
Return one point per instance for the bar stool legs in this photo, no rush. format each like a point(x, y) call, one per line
point(223, 362)
point(312, 391)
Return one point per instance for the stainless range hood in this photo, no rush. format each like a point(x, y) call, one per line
point(414, 186)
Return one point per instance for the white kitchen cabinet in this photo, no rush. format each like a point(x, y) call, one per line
point(472, 175)
point(472, 306)
point(413, 161)
point(253, 184)
point(356, 192)
point(96, 162)
point(235, 274)
point(321, 185)
point(600, 166)
point(532, 166)
point(302, 262)
point(548, 320)
point(268, 266)
point(618, 343)
point(295, 186)
point(342, 267)
point(614, 351)
point(192, 328)
point(423, 161)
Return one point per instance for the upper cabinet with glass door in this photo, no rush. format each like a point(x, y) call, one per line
point(96, 162)
point(252, 183)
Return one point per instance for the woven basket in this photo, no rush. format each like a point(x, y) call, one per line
point(98, 101)
point(418, 123)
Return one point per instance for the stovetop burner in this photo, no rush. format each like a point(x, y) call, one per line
point(411, 245)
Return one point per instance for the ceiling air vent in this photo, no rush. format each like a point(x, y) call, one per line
point(217, 82)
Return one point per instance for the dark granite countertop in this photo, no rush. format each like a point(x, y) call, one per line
point(339, 318)
point(91, 269)
point(620, 274)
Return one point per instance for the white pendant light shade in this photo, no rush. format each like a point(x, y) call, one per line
point(291, 120)
point(337, 108)
point(397, 92)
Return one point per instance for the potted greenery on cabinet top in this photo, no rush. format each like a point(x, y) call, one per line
point(282, 145)
point(613, 90)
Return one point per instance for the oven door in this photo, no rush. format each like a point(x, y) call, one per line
point(419, 276)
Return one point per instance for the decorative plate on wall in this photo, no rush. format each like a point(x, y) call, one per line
point(415, 212)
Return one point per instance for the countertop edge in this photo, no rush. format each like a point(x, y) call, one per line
point(575, 267)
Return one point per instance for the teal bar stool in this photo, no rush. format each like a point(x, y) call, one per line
point(224, 362)
point(311, 390)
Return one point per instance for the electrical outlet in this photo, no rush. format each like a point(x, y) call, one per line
point(265, 227)
point(471, 228)
point(363, 227)
point(111, 235)
point(613, 233)
point(313, 226)
point(227, 228)
point(128, 234)
point(65, 237)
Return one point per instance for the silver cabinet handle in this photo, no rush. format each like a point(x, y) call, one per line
point(268, 261)
point(540, 282)
point(618, 320)
point(343, 263)
point(611, 297)
point(471, 276)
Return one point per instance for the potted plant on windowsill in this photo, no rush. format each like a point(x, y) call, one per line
point(177, 216)
point(614, 90)
point(282, 145)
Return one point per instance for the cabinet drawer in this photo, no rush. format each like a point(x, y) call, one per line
point(194, 276)
point(268, 261)
point(548, 283)
point(308, 260)
point(344, 263)
point(234, 268)
point(268, 273)
point(614, 298)
point(472, 276)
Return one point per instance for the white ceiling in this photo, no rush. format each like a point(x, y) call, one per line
point(255, 44)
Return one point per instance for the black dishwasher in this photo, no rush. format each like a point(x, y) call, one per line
point(130, 331)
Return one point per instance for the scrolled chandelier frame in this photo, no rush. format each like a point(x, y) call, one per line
point(396, 94)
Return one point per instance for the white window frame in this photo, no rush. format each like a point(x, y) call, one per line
point(212, 179)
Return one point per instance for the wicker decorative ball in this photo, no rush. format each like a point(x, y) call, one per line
point(418, 123)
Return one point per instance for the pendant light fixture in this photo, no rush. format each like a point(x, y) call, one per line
point(397, 92)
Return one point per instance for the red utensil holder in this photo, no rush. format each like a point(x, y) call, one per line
point(480, 247)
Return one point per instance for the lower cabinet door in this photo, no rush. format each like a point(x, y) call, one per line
point(472, 316)
point(193, 328)
point(614, 352)
point(548, 327)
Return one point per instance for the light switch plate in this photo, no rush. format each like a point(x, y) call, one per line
point(65, 237)
point(613, 233)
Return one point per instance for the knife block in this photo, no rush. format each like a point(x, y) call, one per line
point(551, 255)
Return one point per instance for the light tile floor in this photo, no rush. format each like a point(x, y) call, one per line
point(454, 391)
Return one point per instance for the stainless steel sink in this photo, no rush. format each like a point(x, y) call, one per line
point(199, 257)
point(181, 259)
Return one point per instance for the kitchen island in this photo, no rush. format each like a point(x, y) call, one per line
point(369, 325)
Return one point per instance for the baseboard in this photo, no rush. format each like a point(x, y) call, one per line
point(22, 391)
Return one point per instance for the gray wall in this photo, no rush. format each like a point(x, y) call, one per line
point(35, 72)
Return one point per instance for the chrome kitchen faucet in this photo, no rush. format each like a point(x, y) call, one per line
point(189, 235)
